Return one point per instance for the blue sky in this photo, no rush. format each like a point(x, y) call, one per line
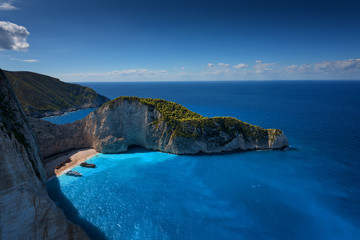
point(173, 40)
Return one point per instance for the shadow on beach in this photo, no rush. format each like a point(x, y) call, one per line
point(71, 212)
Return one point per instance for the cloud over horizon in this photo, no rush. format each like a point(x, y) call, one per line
point(240, 65)
point(13, 37)
point(340, 69)
point(261, 67)
point(325, 67)
point(127, 75)
point(223, 64)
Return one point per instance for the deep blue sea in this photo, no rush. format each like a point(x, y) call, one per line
point(311, 191)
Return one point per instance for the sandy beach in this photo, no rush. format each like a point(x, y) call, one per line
point(77, 156)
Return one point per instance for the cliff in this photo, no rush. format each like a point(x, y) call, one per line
point(26, 211)
point(42, 95)
point(157, 125)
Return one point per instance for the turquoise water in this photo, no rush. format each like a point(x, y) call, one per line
point(69, 116)
point(311, 191)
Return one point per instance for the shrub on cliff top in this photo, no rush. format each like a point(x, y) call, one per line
point(186, 123)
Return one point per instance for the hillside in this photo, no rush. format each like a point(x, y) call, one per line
point(41, 95)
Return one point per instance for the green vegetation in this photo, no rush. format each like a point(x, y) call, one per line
point(169, 110)
point(40, 94)
point(186, 123)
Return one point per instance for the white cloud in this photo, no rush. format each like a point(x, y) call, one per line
point(139, 74)
point(7, 6)
point(223, 64)
point(24, 60)
point(326, 67)
point(30, 60)
point(13, 37)
point(240, 65)
point(344, 66)
point(260, 67)
point(220, 71)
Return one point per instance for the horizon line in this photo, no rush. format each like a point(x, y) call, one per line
point(203, 81)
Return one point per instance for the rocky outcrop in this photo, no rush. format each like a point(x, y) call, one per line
point(53, 138)
point(43, 96)
point(157, 125)
point(26, 211)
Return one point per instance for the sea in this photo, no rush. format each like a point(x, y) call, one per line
point(308, 191)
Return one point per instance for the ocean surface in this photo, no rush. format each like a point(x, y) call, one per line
point(311, 191)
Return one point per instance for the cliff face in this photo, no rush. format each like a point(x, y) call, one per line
point(157, 125)
point(53, 138)
point(26, 211)
point(42, 96)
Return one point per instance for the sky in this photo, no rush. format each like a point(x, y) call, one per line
point(182, 40)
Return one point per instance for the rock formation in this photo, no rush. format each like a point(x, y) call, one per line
point(26, 211)
point(157, 125)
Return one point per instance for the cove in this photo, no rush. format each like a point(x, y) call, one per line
point(153, 195)
point(310, 192)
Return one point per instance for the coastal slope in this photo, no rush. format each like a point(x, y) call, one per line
point(154, 124)
point(26, 211)
point(42, 96)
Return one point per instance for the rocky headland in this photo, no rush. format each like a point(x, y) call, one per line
point(44, 96)
point(154, 124)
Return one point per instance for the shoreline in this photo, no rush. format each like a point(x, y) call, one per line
point(77, 156)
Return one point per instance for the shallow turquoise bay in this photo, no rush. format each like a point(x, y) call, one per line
point(311, 191)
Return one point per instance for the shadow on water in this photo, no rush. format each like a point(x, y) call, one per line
point(134, 149)
point(71, 212)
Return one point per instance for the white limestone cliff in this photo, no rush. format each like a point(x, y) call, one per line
point(26, 211)
point(131, 121)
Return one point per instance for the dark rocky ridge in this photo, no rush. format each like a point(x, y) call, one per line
point(43, 96)
point(26, 211)
point(154, 124)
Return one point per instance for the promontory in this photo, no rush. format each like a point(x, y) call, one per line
point(154, 124)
